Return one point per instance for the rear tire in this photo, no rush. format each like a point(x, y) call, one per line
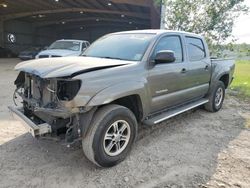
point(216, 97)
point(111, 136)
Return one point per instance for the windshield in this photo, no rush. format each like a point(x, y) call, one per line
point(120, 46)
point(65, 45)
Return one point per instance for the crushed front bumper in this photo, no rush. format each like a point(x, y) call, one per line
point(35, 129)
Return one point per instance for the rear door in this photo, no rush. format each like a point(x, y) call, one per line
point(199, 66)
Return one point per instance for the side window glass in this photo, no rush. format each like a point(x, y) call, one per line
point(196, 49)
point(84, 46)
point(172, 43)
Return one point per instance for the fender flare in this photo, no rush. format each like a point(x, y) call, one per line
point(216, 78)
point(121, 90)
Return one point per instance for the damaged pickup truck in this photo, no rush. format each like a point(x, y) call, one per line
point(122, 80)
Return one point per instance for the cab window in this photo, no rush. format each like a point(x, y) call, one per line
point(172, 43)
point(84, 46)
point(196, 49)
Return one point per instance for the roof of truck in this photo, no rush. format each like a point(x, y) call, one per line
point(159, 31)
point(72, 40)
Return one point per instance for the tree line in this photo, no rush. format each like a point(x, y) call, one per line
point(214, 19)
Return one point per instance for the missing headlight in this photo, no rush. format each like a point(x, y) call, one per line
point(68, 89)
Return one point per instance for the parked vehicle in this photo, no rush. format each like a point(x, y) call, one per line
point(29, 53)
point(6, 52)
point(123, 80)
point(63, 48)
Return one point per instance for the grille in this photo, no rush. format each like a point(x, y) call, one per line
point(56, 56)
point(43, 56)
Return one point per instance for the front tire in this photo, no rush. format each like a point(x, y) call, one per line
point(216, 97)
point(111, 136)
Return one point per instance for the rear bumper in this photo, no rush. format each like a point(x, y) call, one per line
point(35, 129)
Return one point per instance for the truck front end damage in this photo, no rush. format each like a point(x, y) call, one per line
point(44, 110)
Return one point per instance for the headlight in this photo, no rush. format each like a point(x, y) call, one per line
point(68, 89)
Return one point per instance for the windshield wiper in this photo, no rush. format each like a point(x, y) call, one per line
point(107, 57)
point(112, 58)
point(54, 48)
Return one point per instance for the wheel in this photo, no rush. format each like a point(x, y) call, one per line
point(216, 97)
point(111, 136)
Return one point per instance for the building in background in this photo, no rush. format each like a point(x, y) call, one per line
point(28, 23)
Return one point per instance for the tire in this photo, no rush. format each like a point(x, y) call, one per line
point(215, 104)
point(106, 120)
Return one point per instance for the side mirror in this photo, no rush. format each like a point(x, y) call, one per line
point(84, 49)
point(165, 56)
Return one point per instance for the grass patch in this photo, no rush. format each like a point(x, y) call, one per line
point(241, 82)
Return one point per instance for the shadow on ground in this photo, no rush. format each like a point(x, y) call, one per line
point(181, 152)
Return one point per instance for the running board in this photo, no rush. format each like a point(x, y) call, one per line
point(173, 112)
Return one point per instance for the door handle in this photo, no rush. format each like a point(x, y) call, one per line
point(183, 70)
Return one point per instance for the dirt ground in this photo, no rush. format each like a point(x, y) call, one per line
point(195, 149)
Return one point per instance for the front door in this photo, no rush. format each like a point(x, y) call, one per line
point(168, 81)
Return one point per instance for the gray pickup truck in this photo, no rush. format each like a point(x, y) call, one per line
point(122, 80)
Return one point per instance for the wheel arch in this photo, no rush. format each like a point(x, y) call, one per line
point(132, 95)
point(225, 79)
point(133, 103)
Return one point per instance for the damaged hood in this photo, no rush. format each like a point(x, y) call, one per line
point(67, 66)
point(60, 52)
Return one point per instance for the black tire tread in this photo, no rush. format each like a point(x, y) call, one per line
point(210, 105)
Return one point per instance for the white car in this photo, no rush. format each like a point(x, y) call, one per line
point(63, 48)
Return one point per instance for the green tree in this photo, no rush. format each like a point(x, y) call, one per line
point(212, 18)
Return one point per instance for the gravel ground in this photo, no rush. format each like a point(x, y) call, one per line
point(195, 149)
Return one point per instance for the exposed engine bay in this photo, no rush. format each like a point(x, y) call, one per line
point(43, 102)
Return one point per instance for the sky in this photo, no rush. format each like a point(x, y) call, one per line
point(241, 29)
